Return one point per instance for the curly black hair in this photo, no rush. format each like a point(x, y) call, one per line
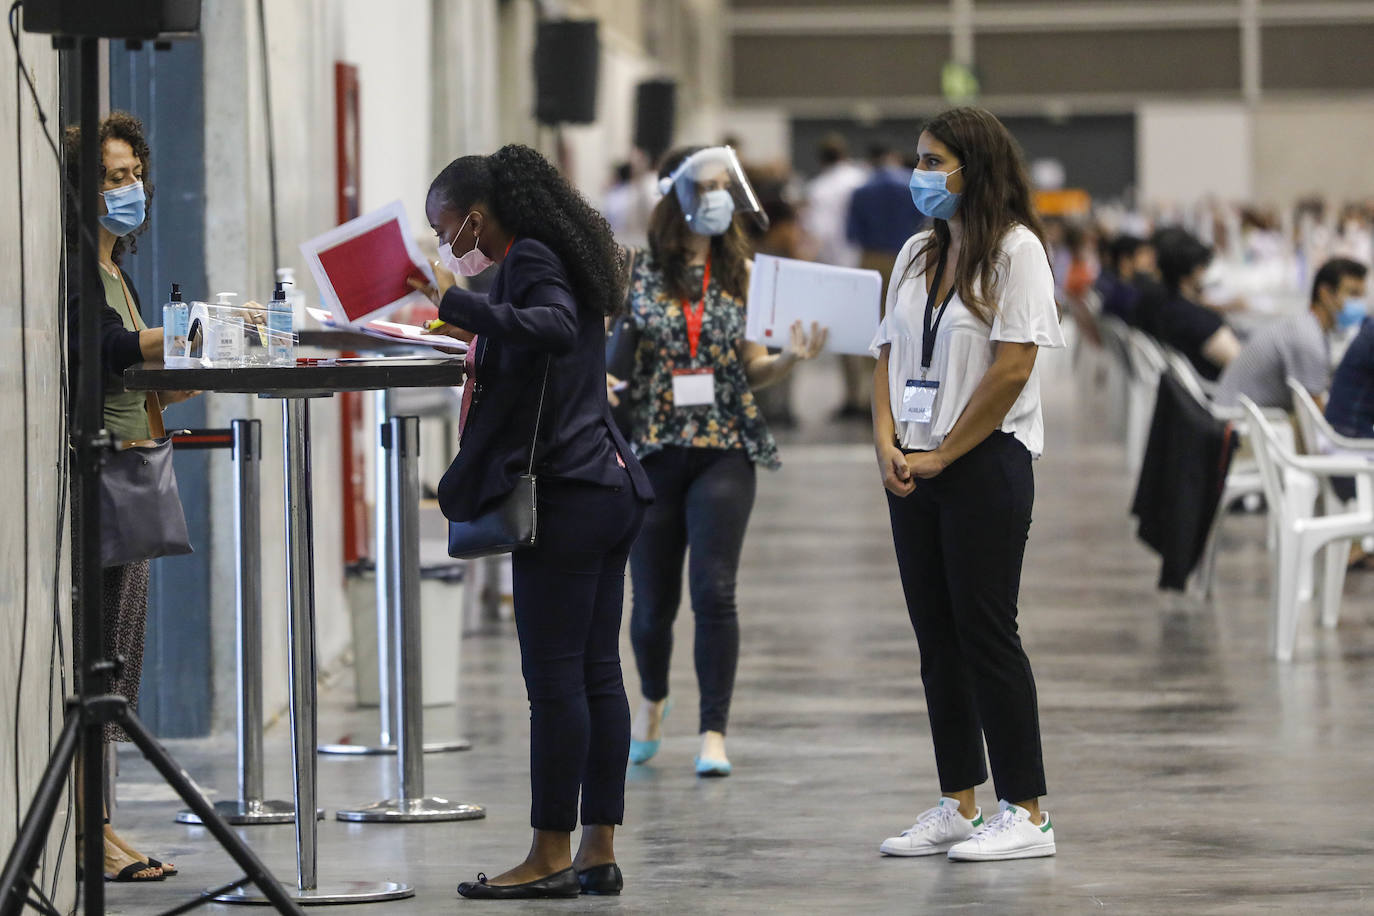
point(118, 125)
point(530, 199)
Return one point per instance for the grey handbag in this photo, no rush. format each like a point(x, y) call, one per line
point(140, 507)
point(513, 523)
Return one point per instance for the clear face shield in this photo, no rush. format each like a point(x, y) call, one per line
point(712, 189)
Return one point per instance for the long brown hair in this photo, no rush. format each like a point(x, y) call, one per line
point(668, 234)
point(996, 196)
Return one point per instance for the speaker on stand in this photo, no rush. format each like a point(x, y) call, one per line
point(655, 114)
point(567, 62)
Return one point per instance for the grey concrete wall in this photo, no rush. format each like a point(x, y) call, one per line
point(33, 548)
point(303, 38)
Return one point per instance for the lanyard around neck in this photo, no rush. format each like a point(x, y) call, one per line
point(694, 318)
point(929, 328)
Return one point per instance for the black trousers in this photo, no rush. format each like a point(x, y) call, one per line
point(960, 539)
point(702, 501)
point(569, 591)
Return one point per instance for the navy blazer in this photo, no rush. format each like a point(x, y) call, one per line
point(530, 316)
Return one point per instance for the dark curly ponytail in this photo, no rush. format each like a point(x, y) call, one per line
point(531, 200)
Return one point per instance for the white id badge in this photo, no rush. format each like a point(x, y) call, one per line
point(694, 387)
point(918, 400)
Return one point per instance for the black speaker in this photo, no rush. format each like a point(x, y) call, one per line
point(567, 60)
point(128, 19)
point(655, 114)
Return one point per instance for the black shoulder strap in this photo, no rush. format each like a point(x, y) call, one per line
point(539, 417)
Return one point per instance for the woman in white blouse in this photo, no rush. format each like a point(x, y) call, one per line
point(956, 424)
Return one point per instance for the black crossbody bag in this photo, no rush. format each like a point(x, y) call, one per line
point(513, 523)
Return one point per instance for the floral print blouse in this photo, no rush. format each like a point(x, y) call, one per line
point(733, 420)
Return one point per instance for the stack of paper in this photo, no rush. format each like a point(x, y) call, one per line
point(390, 330)
point(842, 299)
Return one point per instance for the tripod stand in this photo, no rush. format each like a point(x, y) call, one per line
point(93, 706)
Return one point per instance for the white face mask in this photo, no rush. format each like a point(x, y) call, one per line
point(468, 265)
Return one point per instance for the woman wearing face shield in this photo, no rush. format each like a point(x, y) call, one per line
point(537, 362)
point(956, 423)
point(130, 416)
point(699, 433)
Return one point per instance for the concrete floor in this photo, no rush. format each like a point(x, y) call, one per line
point(1188, 772)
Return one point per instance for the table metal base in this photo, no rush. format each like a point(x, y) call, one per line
point(377, 750)
point(328, 893)
point(407, 810)
point(241, 813)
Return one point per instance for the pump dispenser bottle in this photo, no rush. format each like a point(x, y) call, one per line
point(176, 324)
point(281, 342)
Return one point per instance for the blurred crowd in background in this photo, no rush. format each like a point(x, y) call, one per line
point(1239, 262)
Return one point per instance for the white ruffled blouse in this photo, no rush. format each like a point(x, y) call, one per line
point(964, 346)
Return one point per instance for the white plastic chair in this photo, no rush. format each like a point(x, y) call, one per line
point(1320, 439)
point(1147, 365)
point(1116, 341)
point(1291, 484)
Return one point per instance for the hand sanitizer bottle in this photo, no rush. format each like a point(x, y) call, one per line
point(176, 324)
point(295, 296)
point(281, 342)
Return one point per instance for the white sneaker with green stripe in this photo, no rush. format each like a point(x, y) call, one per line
point(935, 831)
point(1009, 834)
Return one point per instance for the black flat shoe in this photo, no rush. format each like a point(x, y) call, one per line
point(605, 880)
point(559, 884)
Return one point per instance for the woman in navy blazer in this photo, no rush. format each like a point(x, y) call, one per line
point(560, 275)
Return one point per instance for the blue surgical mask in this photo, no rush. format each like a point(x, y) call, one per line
point(930, 194)
point(714, 213)
point(1353, 313)
point(126, 208)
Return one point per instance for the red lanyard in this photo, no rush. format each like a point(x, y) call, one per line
point(695, 318)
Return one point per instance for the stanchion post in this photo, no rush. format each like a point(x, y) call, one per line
point(248, 587)
point(386, 702)
point(403, 450)
point(250, 807)
point(386, 564)
point(407, 683)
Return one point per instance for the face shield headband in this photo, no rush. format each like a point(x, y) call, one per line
point(711, 188)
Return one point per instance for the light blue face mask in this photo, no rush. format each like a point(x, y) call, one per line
point(1353, 313)
point(126, 208)
point(715, 211)
point(931, 194)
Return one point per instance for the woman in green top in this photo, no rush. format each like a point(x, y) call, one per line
point(125, 339)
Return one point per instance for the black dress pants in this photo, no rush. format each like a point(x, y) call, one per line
point(702, 501)
point(960, 539)
point(569, 592)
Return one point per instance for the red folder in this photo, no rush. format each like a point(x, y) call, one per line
point(369, 271)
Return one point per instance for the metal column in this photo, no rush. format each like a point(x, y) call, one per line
point(386, 562)
point(401, 443)
point(300, 596)
point(250, 807)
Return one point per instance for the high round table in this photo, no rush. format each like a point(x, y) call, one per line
point(296, 386)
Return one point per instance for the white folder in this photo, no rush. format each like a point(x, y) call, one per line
point(843, 299)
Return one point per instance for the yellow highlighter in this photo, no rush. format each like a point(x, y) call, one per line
point(434, 324)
